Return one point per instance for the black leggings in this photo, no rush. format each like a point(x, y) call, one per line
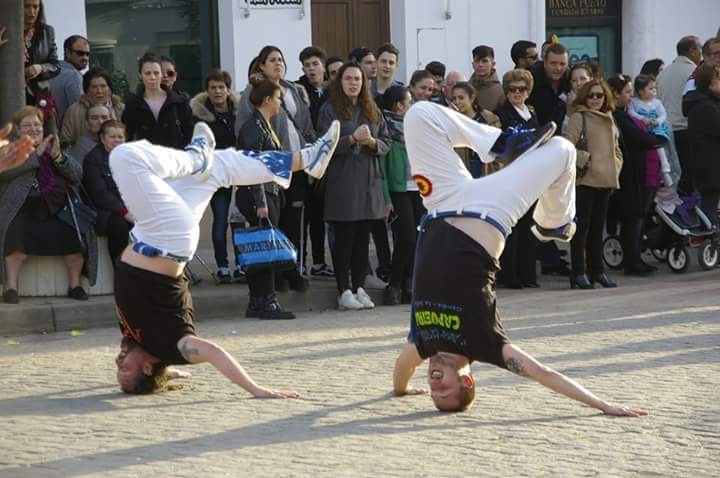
point(586, 245)
point(409, 209)
point(350, 254)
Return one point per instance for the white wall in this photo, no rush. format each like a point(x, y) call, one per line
point(242, 38)
point(422, 31)
point(651, 28)
point(67, 17)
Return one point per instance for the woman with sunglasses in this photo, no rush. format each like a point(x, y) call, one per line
point(599, 160)
point(518, 259)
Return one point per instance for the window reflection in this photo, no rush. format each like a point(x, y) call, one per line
point(121, 31)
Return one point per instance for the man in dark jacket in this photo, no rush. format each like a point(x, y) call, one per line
point(313, 65)
point(551, 85)
point(702, 107)
point(548, 98)
point(217, 107)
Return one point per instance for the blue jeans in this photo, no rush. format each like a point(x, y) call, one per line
point(220, 204)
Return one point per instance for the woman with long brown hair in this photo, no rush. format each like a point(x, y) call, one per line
point(354, 191)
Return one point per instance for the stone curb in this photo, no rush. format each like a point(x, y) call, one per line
point(55, 314)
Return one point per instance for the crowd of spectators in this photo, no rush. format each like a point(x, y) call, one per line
point(639, 141)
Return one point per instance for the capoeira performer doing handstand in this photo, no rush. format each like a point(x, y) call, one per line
point(454, 315)
point(167, 191)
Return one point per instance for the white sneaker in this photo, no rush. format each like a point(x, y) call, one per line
point(347, 301)
point(203, 143)
point(317, 156)
point(364, 299)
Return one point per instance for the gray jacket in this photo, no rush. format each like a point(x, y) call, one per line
point(354, 181)
point(66, 88)
point(302, 120)
point(670, 86)
point(15, 185)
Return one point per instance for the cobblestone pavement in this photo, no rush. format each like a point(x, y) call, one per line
point(652, 344)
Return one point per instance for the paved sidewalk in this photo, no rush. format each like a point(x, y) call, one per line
point(654, 344)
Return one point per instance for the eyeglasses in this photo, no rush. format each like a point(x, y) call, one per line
point(81, 53)
point(596, 96)
point(170, 73)
point(31, 126)
point(516, 89)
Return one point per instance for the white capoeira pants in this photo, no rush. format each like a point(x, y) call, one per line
point(168, 203)
point(546, 175)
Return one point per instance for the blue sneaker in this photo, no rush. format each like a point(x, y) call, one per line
point(563, 233)
point(202, 143)
point(317, 156)
point(521, 141)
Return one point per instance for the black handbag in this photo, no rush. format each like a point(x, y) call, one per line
point(77, 215)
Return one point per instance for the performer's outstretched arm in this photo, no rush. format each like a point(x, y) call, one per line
point(521, 363)
point(405, 366)
point(197, 350)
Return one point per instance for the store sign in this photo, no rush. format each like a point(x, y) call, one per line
point(273, 3)
point(582, 8)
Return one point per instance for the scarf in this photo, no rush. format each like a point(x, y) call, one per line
point(28, 44)
point(395, 126)
point(53, 188)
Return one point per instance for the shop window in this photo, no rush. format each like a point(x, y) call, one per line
point(185, 30)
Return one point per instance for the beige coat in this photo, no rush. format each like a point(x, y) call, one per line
point(603, 148)
point(74, 124)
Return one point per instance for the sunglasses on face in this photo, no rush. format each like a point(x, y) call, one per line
point(81, 53)
point(516, 89)
point(596, 96)
point(170, 73)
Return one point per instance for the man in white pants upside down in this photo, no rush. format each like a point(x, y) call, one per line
point(454, 316)
point(167, 191)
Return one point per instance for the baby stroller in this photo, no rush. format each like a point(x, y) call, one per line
point(669, 238)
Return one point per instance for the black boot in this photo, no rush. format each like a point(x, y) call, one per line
point(274, 311)
point(391, 296)
point(580, 281)
point(255, 307)
point(603, 280)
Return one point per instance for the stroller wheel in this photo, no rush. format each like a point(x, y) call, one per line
point(612, 252)
point(659, 254)
point(678, 259)
point(707, 255)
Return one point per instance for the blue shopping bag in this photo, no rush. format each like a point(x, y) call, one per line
point(264, 247)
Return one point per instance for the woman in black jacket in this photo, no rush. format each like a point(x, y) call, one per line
point(702, 108)
point(155, 113)
point(41, 62)
point(635, 197)
point(518, 260)
point(262, 201)
point(113, 219)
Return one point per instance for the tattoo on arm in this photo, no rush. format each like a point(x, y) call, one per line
point(189, 353)
point(515, 366)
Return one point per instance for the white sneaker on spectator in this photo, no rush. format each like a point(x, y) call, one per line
point(317, 156)
point(364, 299)
point(203, 144)
point(347, 301)
point(373, 282)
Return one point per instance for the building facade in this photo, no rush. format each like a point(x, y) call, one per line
point(199, 34)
